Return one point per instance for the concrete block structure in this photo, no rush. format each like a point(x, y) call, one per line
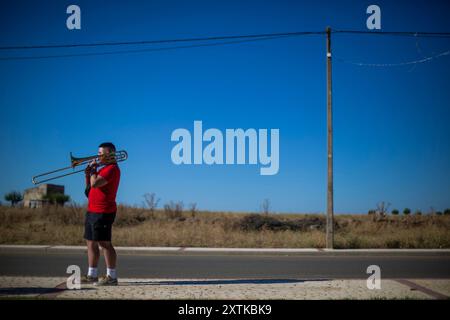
point(35, 197)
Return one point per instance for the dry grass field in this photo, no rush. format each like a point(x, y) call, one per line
point(135, 226)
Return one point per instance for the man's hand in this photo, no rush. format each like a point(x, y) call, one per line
point(91, 168)
point(87, 171)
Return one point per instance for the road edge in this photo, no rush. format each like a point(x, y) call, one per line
point(203, 250)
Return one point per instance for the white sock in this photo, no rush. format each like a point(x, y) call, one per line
point(92, 272)
point(111, 273)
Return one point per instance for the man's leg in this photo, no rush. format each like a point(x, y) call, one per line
point(110, 257)
point(93, 253)
point(93, 257)
point(109, 253)
point(92, 249)
point(104, 236)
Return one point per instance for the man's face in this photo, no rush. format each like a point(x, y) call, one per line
point(103, 153)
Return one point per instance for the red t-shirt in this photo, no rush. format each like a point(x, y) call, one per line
point(103, 199)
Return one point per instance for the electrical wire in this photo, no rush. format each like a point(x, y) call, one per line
point(396, 33)
point(140, 50)
point(122, 43)
point(414, 62)
point(235, 39)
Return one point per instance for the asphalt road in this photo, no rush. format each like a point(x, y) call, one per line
point(226, 266)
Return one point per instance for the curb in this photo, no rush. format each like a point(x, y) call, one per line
point(200, 250)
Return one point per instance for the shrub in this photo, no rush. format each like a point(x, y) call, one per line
point(447, 212)
point(174, 210)
point(382, 208)
point(406, 211)
point(353, 242)
point(393, 243)
point(151, 201)
point(128, 216)
point(193, 209)
point(256, 222)
point(14, 197)
point(418, 213)
point(395, 212)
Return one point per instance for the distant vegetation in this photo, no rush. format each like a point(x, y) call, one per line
point(14, 197)
point(176, 226)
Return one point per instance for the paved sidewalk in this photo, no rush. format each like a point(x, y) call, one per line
point(229, 289)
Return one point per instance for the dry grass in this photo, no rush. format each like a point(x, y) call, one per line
point(142, 227)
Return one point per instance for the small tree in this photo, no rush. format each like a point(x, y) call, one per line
point(382, 208)
point(174, 210)
point(446, 212)
point(406, 211)
point(395, 212)
point(439, 213)
point(14, 197)
point(193, 209)
point(151, 201)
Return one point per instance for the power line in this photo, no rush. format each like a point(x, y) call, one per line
point(231, 37)
point(397, 33)
point(228, 37)
point(140, 50)
point(414, 62)
point(236, 39)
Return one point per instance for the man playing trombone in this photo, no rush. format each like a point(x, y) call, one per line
point(101, 190)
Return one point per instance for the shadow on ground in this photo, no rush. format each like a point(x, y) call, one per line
point(218, 282)
point(32, 291)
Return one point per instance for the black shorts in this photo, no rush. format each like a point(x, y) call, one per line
point(98, 226)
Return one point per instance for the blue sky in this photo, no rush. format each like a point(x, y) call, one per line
point(391, 124)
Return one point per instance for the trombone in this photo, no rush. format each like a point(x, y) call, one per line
point(113, 157)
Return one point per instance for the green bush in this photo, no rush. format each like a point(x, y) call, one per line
point(447, 212)
point(395, 212)
point(14, 197)
point(257, 222)
point(406, 211)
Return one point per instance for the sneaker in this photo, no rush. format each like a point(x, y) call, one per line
point(106, 281)
point(88, 279)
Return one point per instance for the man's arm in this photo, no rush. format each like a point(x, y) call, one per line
point(97, 181)
point(88, 185)
point(87, 175)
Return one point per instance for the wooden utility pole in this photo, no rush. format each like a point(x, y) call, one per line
point(330, 232)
